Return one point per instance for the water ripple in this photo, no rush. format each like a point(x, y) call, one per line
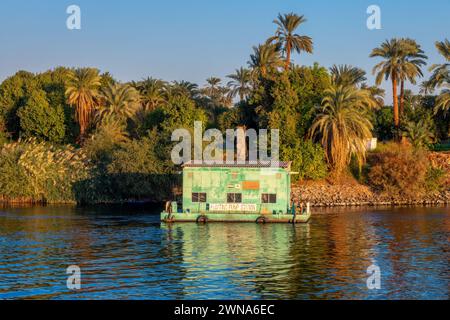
point(128, 254)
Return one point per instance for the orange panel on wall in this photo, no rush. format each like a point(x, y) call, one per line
point(250, 185)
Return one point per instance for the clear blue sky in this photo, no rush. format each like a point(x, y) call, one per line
point(196, 39)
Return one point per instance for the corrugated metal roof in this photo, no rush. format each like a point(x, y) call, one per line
point(259, 164)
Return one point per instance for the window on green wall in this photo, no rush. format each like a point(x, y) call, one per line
point(234, 197)
point(269, 198)
point(198, 197)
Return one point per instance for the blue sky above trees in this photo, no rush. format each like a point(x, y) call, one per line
point(193, 40)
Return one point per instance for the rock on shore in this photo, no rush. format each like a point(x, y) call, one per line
point(352, 193)
point(321, 194)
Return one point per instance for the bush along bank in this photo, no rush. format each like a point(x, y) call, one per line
point(109, 170)
point(395, 175)
point(38, 172)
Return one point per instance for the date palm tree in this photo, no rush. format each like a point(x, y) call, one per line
point(113, 129)
point(440, 77)
point(444, 48)
point(390, 68)
point(240, 83)
point(217, 94)
point(288, 39)
point(443, 100)
point(119, 101)
point(265, 59)
point(152, 93)
point(412, 59)
point(343, 125)
point(82, 92)
point(184, 88)
point(212, 87)
point(376, 93)
point(346, 75)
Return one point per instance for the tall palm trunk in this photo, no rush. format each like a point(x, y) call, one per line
point(81, 118)
point(395, 101)
point(402, 97)
point(288, 56)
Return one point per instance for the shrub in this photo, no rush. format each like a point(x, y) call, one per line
point(105, 139)
point(38, 119)
point(41, 172)
point(137, 172)
point(230, 119)
point(399, 170)
point(420, 134)
point(13, 92)
point(14, 181)
point(383, 120)
point(179, 112)
point(126, 170)
point(435, 179)
point(4, 136)
point(308, 159)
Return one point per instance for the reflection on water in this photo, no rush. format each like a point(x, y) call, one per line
point(126, 253)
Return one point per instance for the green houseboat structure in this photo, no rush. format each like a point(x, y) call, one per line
point(259, 192)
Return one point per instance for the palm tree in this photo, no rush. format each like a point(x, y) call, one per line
point(390, 51)
point(444, 48)
point(224, 97)
point(240, 83)
point(184, 88)
point(265, 59)
point(217, 95)
point(119, 101)
point(288, 39)
point(440, 77)
point(112, 128)
point(412, 58)
point(346, 75)
point(212, 87)
point(152, 93)
point(443, 100)
point(414, 101)
point(106, 78)
point(344, 125)
point(376, 93)
point(82, 93)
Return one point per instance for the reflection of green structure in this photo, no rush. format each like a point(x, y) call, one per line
point(235, 192)
point(237, 257)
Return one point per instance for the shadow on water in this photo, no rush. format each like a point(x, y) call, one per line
point(125, 252)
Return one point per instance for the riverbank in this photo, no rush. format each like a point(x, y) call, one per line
point(322, 194)
point(352, 193)
point(318, 193)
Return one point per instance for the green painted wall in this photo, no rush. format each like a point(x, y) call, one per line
point(216, 182)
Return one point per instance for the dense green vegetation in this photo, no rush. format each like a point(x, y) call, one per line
point(81, 135)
